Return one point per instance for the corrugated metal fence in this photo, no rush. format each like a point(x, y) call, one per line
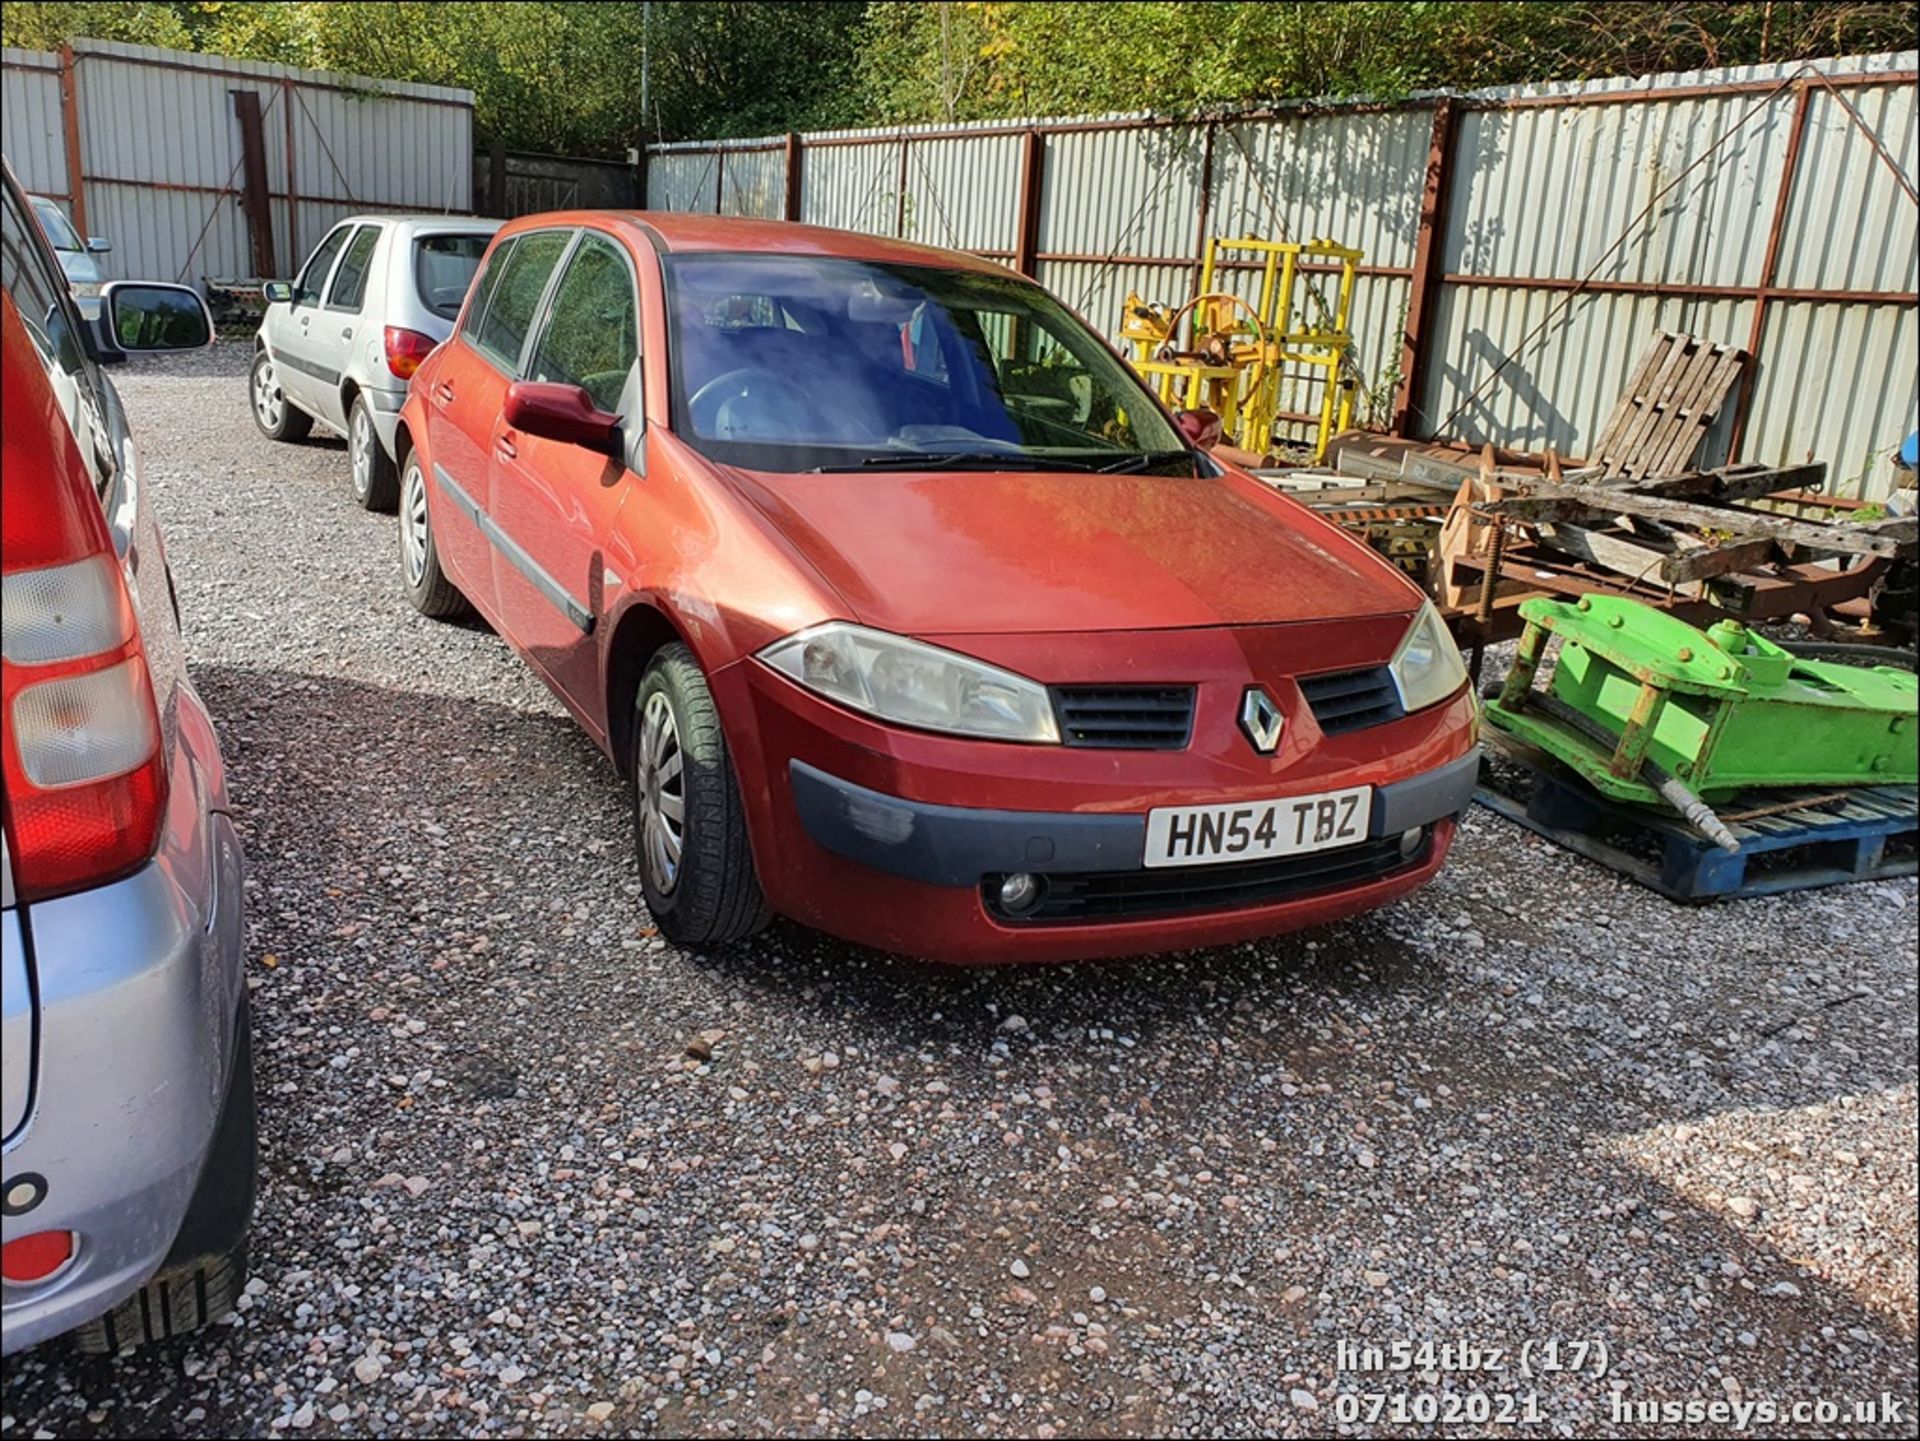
point(1487, 220)
point(145, 146)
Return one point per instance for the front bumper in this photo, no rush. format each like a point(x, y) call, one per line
point(957, 845)
point(138, 987)
point(887, 837)
point(912, 878)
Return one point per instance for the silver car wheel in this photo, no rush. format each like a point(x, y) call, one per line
point(268, 401)
point(662, 789)
point(413, 526)
point(360, 444)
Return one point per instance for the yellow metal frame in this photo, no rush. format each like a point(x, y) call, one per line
point(1245, 392)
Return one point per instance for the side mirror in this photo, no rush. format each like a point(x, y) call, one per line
point(277, 292)
point(149, 318)
point(565, 413)
point(99, 244)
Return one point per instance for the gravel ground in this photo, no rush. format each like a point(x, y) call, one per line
point(1530, 1103)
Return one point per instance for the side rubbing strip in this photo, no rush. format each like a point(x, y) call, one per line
point(550, 588)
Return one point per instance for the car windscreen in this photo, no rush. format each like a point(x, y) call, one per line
point(53, 220)
point(443, 267)
point(800, 363)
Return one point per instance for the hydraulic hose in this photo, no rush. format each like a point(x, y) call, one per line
point(1849, 653)
point(1695, 811)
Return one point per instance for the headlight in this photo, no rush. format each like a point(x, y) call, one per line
point(87, 289)
point(1427, 668)
point(911, 684)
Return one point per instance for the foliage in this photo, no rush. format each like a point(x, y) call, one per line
point(922, 61)
point(566, 77)
point(555, 77)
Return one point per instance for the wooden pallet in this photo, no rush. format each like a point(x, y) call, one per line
point(1809, 838)
point(1672, 398)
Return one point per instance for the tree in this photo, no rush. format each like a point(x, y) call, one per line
point(565, 77)
point(994, 60)
point(545, 76)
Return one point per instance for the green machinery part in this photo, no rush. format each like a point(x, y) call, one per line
point(1722, 710)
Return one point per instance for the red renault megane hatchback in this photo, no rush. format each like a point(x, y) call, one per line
point(907, 612)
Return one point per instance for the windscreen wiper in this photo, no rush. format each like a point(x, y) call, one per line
point(956, 460)
point(1128, 465)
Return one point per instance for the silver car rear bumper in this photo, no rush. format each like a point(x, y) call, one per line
point(138, 984)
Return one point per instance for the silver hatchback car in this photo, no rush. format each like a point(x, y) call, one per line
point(339, 344)
point(127, 1099)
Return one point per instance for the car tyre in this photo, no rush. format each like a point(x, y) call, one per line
point(376, 479)
point(695, 869)
point(425, 583)
point(277, 417)
point(205, 1272)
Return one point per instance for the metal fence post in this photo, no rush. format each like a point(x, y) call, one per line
point(293, 190)
point(1429, 265)
point(254, 198)
point(793, 175)
point(1033, 164)
point(70, 112)
point(1769, 270)
point(497, 180)
point(1205, 207)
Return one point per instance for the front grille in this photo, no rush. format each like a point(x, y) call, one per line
point(1349, 699)
point(1132, 717)
point(1184, 890)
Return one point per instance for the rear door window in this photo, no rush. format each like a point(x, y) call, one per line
point(443, 268)
point(350, 280)
point(516, 295)
point(483, 288)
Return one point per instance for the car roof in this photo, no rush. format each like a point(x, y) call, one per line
point(423, 222)
point(693, 234)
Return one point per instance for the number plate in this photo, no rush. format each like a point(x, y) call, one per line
point(1257, 830)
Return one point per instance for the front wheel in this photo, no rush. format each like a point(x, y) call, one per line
point(425, 583)
point(689, 827)
point(277, 417)
point(376, 482)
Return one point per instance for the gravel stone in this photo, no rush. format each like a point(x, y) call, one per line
point(1563, 1080)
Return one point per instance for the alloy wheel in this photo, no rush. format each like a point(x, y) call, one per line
point(662, 793)
point(413, 526)
point(268, 402)
point(360, 445)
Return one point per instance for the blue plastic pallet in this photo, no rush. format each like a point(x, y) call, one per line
point(1824, 841)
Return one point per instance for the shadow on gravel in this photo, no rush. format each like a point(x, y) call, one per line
point(324, 771)
point(351, 779)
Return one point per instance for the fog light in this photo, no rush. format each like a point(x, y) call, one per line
point(1411, 841)
point(1019, 892)
point(36, 1257)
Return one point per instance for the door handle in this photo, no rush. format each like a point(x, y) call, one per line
point(443, 393)
point(504, 444)
point(347, 333)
